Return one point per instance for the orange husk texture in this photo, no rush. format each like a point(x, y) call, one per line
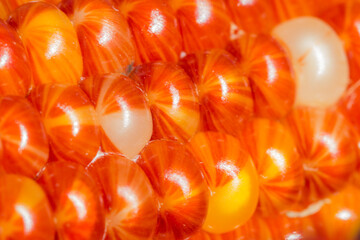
point(339, 217)
point(24, 142)
point(231, 177)
point(15, 73)
point(224, 93)
point(70, 121)
point(154, 28)
point(326, 146)
point(104, 36)
point(269, 71)
point(50, 41)
point(25, 212)
point(76, 201)
point(278, 164)
point(130, 203)
point(180, 188)
point(172, 99)
point(345, 19)
point(254, 229)
point(204, 25)
point(119, 97)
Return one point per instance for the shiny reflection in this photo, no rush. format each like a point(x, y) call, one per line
point(345, 214)
point(357, 25)
point(224, 87)
point(75, 122)
point(105, 36)
point(157, 22)
point(228, 168)
point(26, 216)
point(293, 236)
point(272, 73)
point(55, 45)
point(203, 11)
point(179, 179)
point(130, 196)
point(321, 59)
point(24, 137)
point(125, 110)
point(5, 57)
point(175, 96)
point(245, 2)
point(278, 158)
point(79, 204)
point(330, 144)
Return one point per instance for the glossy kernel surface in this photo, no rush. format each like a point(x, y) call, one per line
point(254, 229)
point(8, 6)
point(130, 203)
point(204, 24)
point(231, 177)
point(349, 105)
point(261, 16)
point(24, 144)
point(270, 73)
point(325, 143)
point(104, 36)
point(339, 217)
point(257, 16)
point(15, 73)
point(70, 121)
point(318, 58)
point(122, 112)
point(345, 19)
point(25, 212)
point(172, 98)
point(154, 28)
point(50, 41)
point(75, 200)
point(283, 227)
point(224, 93)
point(273, 150)
point(180, 188)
